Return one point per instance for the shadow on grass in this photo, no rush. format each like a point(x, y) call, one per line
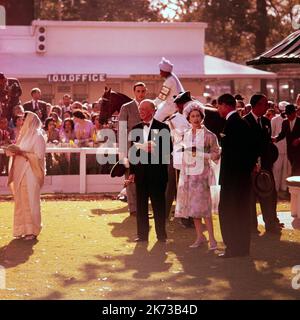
point(16, 252)
point(172, 270)
point(100, 212)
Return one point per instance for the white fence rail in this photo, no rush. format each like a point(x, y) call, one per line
point(81, 183)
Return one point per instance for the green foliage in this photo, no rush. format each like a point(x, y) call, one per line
point(96, 10)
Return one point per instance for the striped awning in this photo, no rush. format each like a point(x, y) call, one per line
point(286, 51)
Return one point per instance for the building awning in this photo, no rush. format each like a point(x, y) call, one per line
point(286, 51)
point(38, 66)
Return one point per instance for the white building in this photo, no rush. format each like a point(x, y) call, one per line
point(80, 58)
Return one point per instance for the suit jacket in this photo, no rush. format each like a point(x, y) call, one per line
point(238, 157)
point(151, 168)
point(129, 112)
point(292, 152)
point(262, 140)
point(42, 107)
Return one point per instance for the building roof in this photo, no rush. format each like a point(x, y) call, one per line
point(30, 65)
point(286, 51)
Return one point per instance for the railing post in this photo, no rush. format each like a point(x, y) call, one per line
point(82, 171)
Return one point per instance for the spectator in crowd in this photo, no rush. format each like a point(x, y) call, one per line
point(290, 130)
point(51, 130)
point(67, 132)
point(66, 103)
point(270, 113)
point(193, 194)
point(18, 110)
point(36, 105)
point(18, 123)
point(76, 105)
point(5, 139)
point(281, 167)
point(264, 148)
point(57, 120)
point(95, 107)
point(67, 115)
point(26, 177)
point(83, 127)
point(10, 92)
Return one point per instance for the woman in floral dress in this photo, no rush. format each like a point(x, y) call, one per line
point(193, 193)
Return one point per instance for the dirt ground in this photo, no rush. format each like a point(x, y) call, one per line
point(86, 251)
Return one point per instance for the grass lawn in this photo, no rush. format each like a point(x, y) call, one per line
point(86, 251)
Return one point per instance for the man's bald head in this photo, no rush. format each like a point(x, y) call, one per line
point(147, 110)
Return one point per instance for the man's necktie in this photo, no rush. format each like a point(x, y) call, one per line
point(36, 105)
point(259, 122)
point(146, 124)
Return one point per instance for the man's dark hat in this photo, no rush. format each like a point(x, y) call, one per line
point(238, 97)
point(290, 108)
point(118, 170)
point(183, 97)
point(2, 76)
point(263, 183)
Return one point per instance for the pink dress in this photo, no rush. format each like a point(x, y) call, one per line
point(193, 191)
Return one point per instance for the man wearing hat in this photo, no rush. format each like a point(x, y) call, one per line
point(10, 91)
point(178, 124)
point(266, 155)
point(170, 88)
point(281, 167)
point(291, 131)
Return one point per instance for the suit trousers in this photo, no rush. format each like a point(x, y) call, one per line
point(171, 189)
point(268, 207)
point(234, 216)
point(156, 193)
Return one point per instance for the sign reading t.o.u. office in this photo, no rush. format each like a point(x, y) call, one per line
point(76, 77)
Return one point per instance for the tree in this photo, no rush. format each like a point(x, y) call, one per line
point(95, 10)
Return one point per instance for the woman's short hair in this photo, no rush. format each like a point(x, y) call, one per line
point(79, 114)
point(69, 120)
point(47, 121)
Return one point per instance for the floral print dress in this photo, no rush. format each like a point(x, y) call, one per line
point(193, 191)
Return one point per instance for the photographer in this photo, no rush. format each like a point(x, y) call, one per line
point(10, 92)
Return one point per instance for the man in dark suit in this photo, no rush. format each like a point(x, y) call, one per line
point(149, 159)
point(237, 163)
point(261, 134)
point(36, 105)
point(291, 131)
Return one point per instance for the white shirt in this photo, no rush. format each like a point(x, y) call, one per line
point(292, 123)
point(230, 113)
point(164, 102)
point(146, 130)
point(276, 124)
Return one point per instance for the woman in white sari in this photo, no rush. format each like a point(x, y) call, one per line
point(26, 177)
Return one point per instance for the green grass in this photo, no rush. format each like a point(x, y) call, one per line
point(85, 251)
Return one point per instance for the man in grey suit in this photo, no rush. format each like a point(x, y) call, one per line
point(128, 118)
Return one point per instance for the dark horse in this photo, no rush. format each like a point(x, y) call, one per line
point(110, 102)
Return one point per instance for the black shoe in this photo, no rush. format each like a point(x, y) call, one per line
point(162, 239)
point(133, 213)
point(273, 230)
point(140, 240)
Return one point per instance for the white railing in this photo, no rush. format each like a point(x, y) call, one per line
point(81, 183)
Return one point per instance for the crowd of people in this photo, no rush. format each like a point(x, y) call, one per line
point(183, 148)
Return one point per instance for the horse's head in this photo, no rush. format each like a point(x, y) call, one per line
point(110, 102)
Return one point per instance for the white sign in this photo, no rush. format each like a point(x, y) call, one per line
point(76, 77)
